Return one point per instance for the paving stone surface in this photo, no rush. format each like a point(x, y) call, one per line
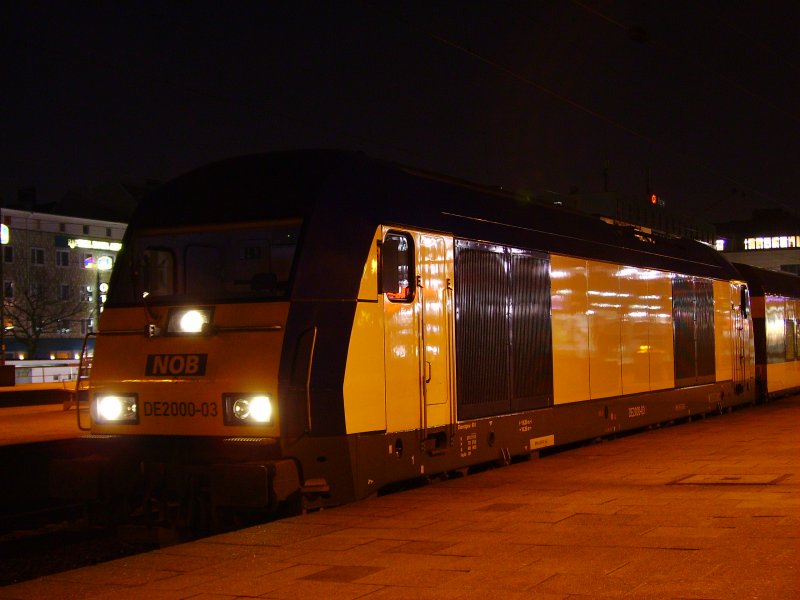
point(702, 510)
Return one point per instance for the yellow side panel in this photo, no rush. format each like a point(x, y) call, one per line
point(570, 329)
point(402, 366)
point(364, 404)
point(662, 349)
point(364, 385)
point(786, 374)
point(775, 311)
point(783, 376)
point(724, 295)
point(368, 289)
point(605, 368)
point(635, 330)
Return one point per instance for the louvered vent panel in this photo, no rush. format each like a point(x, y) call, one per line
point(482, 334)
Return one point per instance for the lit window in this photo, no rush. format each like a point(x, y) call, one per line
point(772, 243)
point(37, 256)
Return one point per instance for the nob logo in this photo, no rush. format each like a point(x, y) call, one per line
point(176, 364)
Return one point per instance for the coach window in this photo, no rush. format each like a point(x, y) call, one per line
point(791, 339)
point(397, 267)
point(744, 300)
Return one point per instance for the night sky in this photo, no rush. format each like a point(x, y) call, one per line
point(536, 95)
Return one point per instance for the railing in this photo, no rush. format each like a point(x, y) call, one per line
point(44, 371)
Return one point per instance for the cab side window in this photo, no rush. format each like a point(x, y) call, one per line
point(397, 267)
point(158, 271)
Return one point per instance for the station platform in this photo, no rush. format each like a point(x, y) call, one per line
point(708, 509)
point(37, 412)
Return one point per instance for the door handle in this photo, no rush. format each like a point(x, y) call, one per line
point(428, 371)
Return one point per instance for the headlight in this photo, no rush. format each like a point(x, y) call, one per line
point(247, 409)
point(116, 409)
point(189, 320)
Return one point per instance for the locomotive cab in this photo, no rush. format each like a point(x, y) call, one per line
point(187, 309)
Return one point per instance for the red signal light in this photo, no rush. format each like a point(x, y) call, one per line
point(653, 199)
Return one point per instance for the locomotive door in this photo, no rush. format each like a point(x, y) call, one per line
point(434, 258)
point(418, 330)
point(741, 341)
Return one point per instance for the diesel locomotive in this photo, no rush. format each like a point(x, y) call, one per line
point(314, 326)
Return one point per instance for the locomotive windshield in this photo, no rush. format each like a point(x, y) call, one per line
point(231, 263)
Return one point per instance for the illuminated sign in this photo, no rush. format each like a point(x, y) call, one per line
point(772, 243)
point(94, 244)
point(104, 263)
point(4, 234)
point(101, 263)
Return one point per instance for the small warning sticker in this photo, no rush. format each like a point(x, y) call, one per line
point(542, 442)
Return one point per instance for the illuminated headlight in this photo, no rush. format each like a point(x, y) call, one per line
point(117, 409)
point(247, 409)
point(189, 320)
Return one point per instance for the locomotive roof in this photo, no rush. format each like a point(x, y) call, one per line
point(343, 196)
point(764, 281)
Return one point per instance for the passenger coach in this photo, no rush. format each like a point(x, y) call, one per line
point(325, 324)
point(775, 298)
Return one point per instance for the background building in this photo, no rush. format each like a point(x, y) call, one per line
point(652, 215)
point(55, 272)
point(770, 239)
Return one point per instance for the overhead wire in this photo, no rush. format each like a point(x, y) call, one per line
point(716, 74)
point(133, 72)
point(691, 60)
point(473, 54)
point(575, 104)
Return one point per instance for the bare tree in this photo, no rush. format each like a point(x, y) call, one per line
point(40, 308)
